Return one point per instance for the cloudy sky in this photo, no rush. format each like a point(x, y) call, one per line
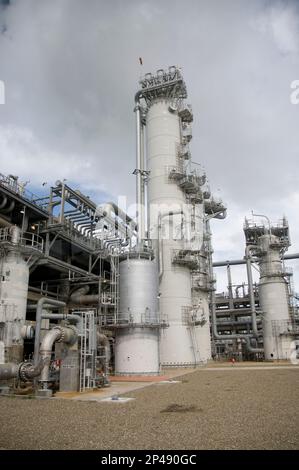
point(71, 68)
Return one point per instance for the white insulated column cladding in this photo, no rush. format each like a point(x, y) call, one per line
point(166, 228)
point(274, 300)
point(13, 295)
point(137, 348)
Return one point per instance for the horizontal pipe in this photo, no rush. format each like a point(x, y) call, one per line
point(61, 316)
point(4, 202)
point(80, 296)
point(232, 262)
point(112, 207)
point(24, 371)
point(9, 371)
point(85, 299)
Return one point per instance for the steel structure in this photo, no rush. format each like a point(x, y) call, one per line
point(86, 290)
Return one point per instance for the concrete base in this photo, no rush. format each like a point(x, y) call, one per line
point(44, 393)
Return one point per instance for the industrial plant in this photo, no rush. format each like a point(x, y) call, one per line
point(89, 292)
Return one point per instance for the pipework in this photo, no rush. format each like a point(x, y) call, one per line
point(63, 334)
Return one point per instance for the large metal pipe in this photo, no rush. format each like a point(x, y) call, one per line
point(86, 299)
point(65, 334)
point(4, 202)
point(291, 256)
point(236, 262)
point(8, 209)
point(9, 371)
point(39, 310)
point(230, 288)
point(142, 168)
point(250, 290)
point(70, 317)
point(138, 175)
point(80, 296)
point(24, 371)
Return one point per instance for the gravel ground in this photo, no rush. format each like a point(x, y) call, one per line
point(252, 409)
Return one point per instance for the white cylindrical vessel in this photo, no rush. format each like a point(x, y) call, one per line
point(274, 301)
point(137, 338)
point(13, 296)
point(166, 197)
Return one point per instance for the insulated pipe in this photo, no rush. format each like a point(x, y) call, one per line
point(28, 371)
point(76, 318)
point(58, 333)
point(232, 262)
point(38, 320)
point(235, 262)
point(291, 256)
point(250, 288)
point(104, 341)
point(25, 370)
point(139, 213)
point(80, 297)
point(86, 299)
point(9, 371)
point(142, 168)
point(4, 202)
point(9, 208)
point(230, 288)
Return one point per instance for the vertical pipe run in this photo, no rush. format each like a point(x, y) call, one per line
point(230, 288)
point(251, 292)
point(138, 176)
point(38, 320)
point(142, 168)
point(61, 218)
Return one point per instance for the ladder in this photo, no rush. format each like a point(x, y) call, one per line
point(88, 352)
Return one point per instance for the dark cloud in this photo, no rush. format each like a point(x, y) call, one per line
point(71, 72)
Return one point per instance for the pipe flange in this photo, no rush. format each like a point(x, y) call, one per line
point(62, 333)
point(23, 369)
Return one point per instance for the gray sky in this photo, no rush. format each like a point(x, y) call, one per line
point(71, 68)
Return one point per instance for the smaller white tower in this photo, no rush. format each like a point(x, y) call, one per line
point(268, 244)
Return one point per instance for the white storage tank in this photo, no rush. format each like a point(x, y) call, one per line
point(13, 299)
point(274, 300)
point(137, 338)
point(164, 197)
